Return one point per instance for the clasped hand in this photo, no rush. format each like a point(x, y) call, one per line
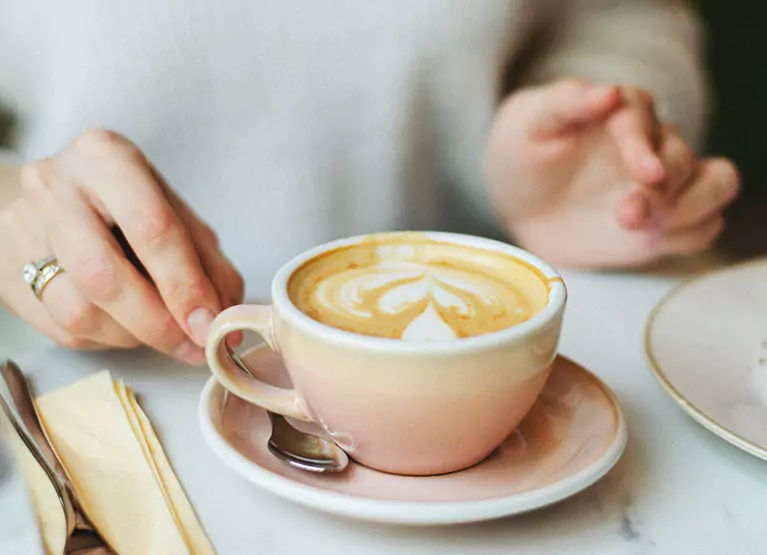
point(586, 175)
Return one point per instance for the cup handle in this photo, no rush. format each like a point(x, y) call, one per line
point(257, 318)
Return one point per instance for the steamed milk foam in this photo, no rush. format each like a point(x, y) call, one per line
point(408, 286)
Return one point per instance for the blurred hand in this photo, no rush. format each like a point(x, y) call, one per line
point(69, 204)
point(586, 175)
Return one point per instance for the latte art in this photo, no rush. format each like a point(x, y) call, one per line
point(406, 286)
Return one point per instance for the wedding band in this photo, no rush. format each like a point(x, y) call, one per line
point(39, 274)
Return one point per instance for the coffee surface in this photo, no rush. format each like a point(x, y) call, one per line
point(408, 286)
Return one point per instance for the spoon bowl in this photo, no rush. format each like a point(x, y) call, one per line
point(302, 450)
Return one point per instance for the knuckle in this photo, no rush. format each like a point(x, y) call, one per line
point(640, 96)
point(722, 180)
point(189, 292)
point(570, 83)
point(99, 142)
point(730, 179)
point(131, 343)
point(237, 284)
point(97, 280)
point(684, 155)
point(567, 89)
point(37, 176)
point(78, 318)
point(71, 342)
point(160, 333)
point(203, 232)
point(157, 228)
point(209, 234)
point(237, 281)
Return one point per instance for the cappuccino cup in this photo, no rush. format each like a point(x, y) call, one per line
point(418, 353)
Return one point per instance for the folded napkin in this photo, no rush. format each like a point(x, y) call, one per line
point(117, 465)
point(25, 492)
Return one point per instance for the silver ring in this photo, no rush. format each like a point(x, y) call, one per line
point(39, 274)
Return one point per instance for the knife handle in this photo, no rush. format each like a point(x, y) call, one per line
point(13, 401)
point(21, 400)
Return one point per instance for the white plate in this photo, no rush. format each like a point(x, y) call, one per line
point(573, 435)
point(706, 342)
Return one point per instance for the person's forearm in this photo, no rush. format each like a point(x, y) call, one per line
point(10, 183)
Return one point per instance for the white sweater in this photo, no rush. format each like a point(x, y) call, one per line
point(286, 123)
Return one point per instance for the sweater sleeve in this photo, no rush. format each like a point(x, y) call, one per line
point(651, 44)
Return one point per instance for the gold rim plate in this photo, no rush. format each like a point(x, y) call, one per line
point(687, 406)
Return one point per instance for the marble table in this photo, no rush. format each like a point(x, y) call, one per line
point(677, 490)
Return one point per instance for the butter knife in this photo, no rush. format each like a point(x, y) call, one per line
point(17, 401)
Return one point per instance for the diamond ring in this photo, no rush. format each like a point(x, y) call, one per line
point(38, 274)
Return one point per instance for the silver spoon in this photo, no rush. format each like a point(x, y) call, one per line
point(299, 449)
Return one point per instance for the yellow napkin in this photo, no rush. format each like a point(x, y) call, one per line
point(118, 467)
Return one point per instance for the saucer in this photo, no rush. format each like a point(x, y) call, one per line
point(572, 436)
point(706, 343)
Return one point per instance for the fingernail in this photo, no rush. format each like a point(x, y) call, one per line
point(634, 211)
point(234, 339)
point(189, 353)
point(199, 321)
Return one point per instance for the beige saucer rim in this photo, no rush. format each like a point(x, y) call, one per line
point(697, 414)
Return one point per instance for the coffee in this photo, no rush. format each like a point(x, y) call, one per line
point(408, 286)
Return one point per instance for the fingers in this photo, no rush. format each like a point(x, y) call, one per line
point(645, 206)
point(634, 129)
point(159, 238)
point(679, 161)
point(225, 278)
point(102, 181)
point(715, 185)
point(634, 210)
point(76, 315)
point(568, 103)
point(693, 240)
point(222, 273)
point(26, 242)
point(100, 272)
point(695, 221)
point(22, 302)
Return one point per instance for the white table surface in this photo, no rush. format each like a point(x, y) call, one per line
point(677, 490)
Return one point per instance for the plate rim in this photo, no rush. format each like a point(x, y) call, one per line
point(409, 512)
point(697, 414)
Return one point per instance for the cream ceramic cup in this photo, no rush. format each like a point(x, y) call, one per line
point(416, 408)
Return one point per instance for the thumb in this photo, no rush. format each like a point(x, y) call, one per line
point(559, 107)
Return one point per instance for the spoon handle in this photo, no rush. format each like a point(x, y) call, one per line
point(16, 401)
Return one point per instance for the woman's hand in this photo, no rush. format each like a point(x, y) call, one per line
point(586, 175)
point(70, 204)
